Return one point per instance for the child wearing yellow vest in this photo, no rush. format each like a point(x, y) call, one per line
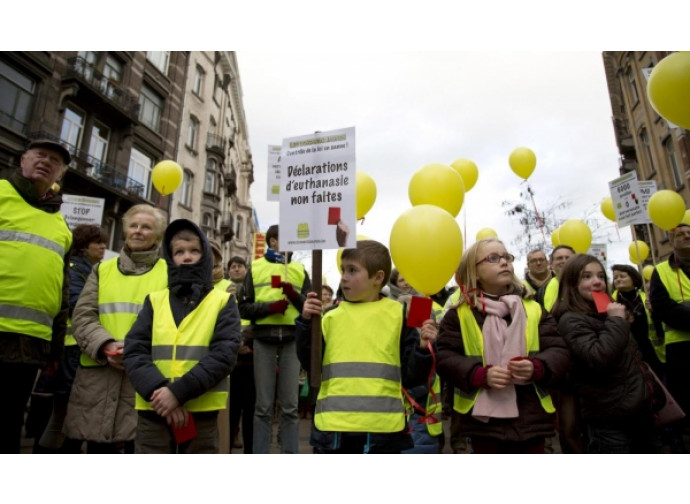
point(369, 353)
point(501, 352)
point(181, 349)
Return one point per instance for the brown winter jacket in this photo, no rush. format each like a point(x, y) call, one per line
point(457, 369)
point(101, 405)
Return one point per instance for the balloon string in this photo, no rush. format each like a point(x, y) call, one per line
point(160, 200)
point(536, 212)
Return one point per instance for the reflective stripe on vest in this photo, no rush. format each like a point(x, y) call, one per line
point(69, 335)
point(656, 339)
point(33, 244)
point(262, 270)
point(473, 341)
point(120, 298)
point(551, 294)
point(673, 280)
point(361, 381)
point(176, 350)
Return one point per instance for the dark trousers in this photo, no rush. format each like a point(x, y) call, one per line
point(156, 436)
point(678, 376)
point(16, 382)
point(242, 400)
point(494, 446)
point(628, 436)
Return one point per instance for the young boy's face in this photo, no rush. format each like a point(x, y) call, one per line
point(186, 251)
point(356, 284)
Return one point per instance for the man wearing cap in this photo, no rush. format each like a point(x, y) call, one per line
point(670, 297)
point(35, 244)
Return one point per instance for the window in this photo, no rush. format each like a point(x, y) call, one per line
point(140, 168)
point(633, 87)
point(159, 59)
point(198, 84)
point(647, 148)
point(207, 224)
point(88, 63)
point(99, 142)
point(72, 129)
point(16, 97)
point(210, 180)
point(151, 106)
point(113, 75)
point(673, 162)
point(186, 190)
point(192, 132)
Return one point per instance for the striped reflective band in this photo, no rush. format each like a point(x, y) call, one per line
point(111, 308)
point(265, 284)
point(39, 241)
point(165, 352)
point(360, 370)
point(360, 404)
point(24, 313)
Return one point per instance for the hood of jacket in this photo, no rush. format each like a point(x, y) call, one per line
point(195, 279)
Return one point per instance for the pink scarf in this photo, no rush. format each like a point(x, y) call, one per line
point(502, 342)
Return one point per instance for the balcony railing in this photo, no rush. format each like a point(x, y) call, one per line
point(108, 88)
point(215, 143)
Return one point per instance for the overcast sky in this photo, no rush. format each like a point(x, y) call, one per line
point(415, 108)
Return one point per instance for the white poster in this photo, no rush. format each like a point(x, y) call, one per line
point(598, 250)
point(317, 194)
point(627, 204)
point(273, 182)
point(647, 190)
point(82, 210)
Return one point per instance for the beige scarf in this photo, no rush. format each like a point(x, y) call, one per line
point(502, 342)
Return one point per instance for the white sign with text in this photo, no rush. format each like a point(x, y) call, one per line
point(82, 210)
point(627, 204)
point(273, 183)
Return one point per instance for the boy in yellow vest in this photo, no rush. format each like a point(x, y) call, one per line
point(181, 349)
point(369, 353)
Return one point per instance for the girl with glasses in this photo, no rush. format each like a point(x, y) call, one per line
point(502, 353)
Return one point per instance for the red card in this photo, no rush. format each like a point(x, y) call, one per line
point(333, 215)
point(184, 434)
point(602, 300)
point(420, 310)
point(112, 352)
point(518, 358)
point(275, 281)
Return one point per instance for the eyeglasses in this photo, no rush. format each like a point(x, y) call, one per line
point(538, 260)
point(496, 258)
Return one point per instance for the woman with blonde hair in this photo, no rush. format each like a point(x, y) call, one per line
point(502, 352)
point(101, 406)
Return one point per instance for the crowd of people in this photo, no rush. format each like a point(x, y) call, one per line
point(142, 352)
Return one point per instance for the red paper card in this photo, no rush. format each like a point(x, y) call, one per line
point(333, 215)
point(184, 434)
point(420, 310)
point(602, 300)
point(275, 281)
point(112, 352)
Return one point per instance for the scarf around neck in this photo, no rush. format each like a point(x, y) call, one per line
point(502, 342)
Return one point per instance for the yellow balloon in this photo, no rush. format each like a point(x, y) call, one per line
point(365, 193)
point(522, 161)
point(666, 208)
point(607, 208)
point(555, 239)
point(467, 170)
point(668, 88)
point(485, 233)
point(166, 176)
point(634, 247)
point(576, 233)
point(426, 247)
point(437, 184)
point(647, 272)
point(339, 253)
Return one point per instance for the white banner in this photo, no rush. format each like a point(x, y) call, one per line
point(627, 204)
point(598, 250)
point(317, 194)
point(82, 210)
point(647, 190)
point(273, 182)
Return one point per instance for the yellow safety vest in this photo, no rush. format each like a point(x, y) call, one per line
point(33, 244)
point(262, 270)
point(176, 350)
point(361, 379)
point(670, 278)
point(551, 294)
point(120, 298)
point(656, 339)
point(473, 341)
point(69, 335)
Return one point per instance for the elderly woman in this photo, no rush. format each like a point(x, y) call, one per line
point(101, 406)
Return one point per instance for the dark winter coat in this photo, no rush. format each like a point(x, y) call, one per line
point(457, 369)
